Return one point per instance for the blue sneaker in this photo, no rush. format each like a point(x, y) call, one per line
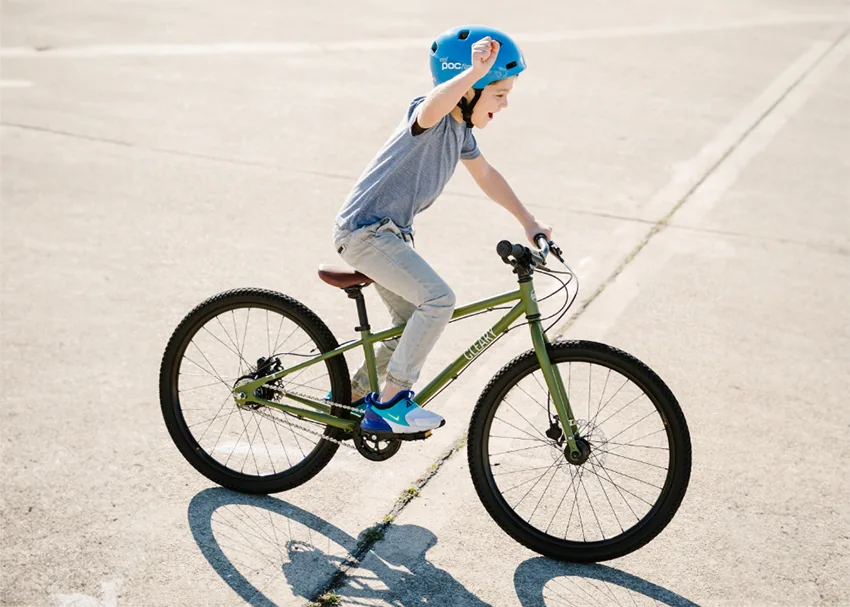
point(398, 416)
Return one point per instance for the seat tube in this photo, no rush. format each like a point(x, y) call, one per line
point(371, 365)
point(550, 372)
point(356, 293)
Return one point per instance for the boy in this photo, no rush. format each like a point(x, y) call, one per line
point(474, 69)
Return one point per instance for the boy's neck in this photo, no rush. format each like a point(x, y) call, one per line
point(457, 114)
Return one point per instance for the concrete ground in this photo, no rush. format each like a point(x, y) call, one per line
point(694, 161)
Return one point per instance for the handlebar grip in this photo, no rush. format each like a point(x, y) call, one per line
point(504, 248)
point(518, 251)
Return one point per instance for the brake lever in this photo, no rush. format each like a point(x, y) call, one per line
point(556, 251)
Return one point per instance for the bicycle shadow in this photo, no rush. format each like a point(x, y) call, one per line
point(250, 540)
point(267, 549)
point(542, 582)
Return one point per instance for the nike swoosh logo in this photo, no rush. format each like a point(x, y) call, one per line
point(391, 416)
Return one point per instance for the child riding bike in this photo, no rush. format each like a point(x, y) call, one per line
point(474, 68)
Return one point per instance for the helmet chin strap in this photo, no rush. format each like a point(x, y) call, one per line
point(466, 107)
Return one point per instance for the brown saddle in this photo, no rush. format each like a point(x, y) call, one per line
point(343, 277)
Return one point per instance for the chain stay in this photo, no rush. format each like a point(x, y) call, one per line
point(278, 421)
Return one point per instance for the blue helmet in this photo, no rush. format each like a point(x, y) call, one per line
point(451, 54)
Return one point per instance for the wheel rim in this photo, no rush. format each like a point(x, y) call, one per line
point(619, 485)
point(222, 350)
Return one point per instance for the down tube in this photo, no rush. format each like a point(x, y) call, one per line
point(450, 372)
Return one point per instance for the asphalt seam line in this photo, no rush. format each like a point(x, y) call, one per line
point(172, 152)
point(661, 223)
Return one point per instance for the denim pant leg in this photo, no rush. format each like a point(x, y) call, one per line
point(400, 312)
point(380, 252)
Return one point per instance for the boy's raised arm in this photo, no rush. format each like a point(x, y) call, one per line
point(443, 98)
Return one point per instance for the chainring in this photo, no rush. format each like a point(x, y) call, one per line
point(373, 448)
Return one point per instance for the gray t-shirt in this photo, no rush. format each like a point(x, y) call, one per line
point(408, 173)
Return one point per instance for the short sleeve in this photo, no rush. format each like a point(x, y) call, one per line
point(413, 114)
point(469, 150)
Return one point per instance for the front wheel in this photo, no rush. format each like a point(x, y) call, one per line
point(636, 454)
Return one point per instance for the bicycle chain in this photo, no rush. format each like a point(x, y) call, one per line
point(288, 424)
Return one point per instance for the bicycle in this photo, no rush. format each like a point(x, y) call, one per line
point(304, 392)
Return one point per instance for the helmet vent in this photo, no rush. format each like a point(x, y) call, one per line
point(463, 35)
point(434, 47)
point(511, 65)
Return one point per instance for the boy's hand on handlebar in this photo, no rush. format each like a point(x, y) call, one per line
point(534, 228)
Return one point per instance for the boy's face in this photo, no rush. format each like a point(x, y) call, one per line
point(494, 98)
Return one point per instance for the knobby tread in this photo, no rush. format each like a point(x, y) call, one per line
point(525, 534)
point(317, 459)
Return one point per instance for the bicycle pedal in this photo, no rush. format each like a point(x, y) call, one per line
point(393, 436)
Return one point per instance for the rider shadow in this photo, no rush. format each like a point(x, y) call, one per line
point(542, 582)
point(250, 540)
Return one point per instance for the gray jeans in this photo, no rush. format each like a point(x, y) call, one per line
point(412, 291)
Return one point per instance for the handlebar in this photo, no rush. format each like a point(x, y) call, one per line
point(522, 253)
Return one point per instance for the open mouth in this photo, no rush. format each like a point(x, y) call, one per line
point(490, 114)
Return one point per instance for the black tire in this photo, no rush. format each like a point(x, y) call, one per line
point(303, 323)
point(670, 426)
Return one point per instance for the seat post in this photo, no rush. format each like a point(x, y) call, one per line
point(356, 293)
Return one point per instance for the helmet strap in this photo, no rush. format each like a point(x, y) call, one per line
point(466, 107)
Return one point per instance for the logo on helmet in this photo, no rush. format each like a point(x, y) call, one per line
point(448, 65)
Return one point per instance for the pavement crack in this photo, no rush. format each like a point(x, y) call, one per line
point(173, 152)
point(374, 534)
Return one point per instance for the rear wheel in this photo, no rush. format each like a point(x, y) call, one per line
point(635, 464)
point(233, 338)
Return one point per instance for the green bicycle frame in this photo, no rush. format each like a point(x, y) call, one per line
point(526, 304)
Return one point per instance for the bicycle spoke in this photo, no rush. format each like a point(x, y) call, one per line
point(601, 396)
point(516, 438)
point(619, 487)
point(214, 373)
point(592, 509)
point(654, 432)
point(574, 507)
point(226, 398)
point(518, 471)
point(639, 446)
point(542, 494)
point(572, 480)
point(532, 398)
point(549, 467)
point(516, 450)
point(524, 419)
point(554, 463)
point(613, 510)
point(544, 439)
point(200, 387)
point(631, 402)
point(631, 459)
point(634, 424)
point(608, 402)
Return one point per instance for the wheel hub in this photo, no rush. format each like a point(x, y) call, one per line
point(577, 459)
point(265, 366)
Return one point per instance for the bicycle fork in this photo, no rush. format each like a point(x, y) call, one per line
point(550, 372)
